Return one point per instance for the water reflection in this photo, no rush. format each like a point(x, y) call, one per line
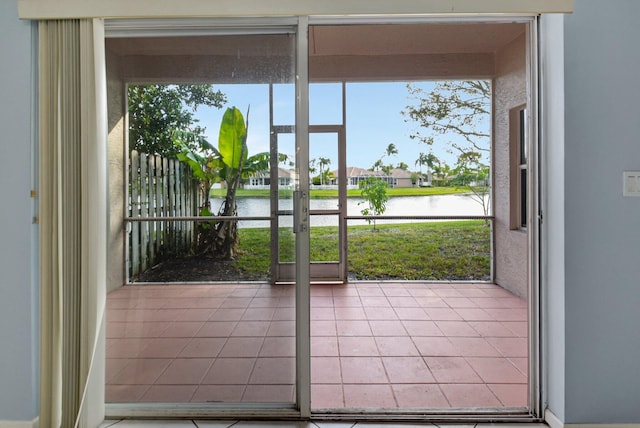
point(441, 205)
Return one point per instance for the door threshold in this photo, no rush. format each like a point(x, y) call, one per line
point(287, 411)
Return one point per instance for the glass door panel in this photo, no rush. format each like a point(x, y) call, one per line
point(326, 218)
point(231, 341)
point(282, 232)
point(327, 194)
point(421, 346)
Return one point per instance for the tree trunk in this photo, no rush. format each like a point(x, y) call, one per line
point(226, 234)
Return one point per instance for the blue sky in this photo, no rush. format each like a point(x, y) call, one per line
point(373, 120)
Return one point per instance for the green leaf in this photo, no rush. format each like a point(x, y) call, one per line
point(255, 164)
point(192, 160)
point(232, 138)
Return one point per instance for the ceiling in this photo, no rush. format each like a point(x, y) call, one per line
point(416, 39)
point(336, 52)
point(338, 40)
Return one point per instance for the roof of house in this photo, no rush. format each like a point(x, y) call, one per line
point(400, 173)
point(354, 171)
point(282, 173)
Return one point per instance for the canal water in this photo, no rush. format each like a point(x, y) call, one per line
point(442, 205)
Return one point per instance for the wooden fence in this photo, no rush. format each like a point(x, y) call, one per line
point(159, 187)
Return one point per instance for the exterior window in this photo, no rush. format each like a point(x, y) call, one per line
point(522, 166)
point(518, 135)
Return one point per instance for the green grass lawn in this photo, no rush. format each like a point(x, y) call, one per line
point(455, 250)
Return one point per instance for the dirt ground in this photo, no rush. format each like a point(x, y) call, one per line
point(196, 269)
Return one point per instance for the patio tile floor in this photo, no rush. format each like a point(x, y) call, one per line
point(373, 345)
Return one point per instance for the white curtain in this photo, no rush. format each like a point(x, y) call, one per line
point(73, 221)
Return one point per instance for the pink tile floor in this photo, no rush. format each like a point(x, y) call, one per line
point(373, 345)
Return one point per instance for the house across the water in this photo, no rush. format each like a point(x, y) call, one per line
point(262, 180)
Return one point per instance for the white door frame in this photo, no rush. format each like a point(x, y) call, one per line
point(302, 407)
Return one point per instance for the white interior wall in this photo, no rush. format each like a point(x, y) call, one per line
point(18, 258)
point(602, 238)
point(552, 204)
point(592, 302)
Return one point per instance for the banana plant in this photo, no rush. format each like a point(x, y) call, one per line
point(205, 164)
point(228, 164)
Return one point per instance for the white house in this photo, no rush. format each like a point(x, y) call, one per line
point(396, 178)
point(262, 180)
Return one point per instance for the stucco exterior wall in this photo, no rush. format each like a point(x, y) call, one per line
point(117, 165)
point(510, 91)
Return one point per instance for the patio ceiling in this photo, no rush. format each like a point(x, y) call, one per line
point(336, 53)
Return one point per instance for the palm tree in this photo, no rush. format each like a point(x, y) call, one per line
point(322, 162)
point(431, 161)
point(312, 166)
point(391, 150)
point(422, 160)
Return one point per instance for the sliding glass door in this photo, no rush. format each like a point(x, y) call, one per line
point(308, 119)
point(202, 195)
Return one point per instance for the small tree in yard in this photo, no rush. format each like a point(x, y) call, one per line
point(473, 173)
point(228, 164)
point(374, 189)
point(374, 192)
point(480, 190)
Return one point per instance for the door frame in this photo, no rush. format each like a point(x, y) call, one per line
point(320, 271)
point(302, 238)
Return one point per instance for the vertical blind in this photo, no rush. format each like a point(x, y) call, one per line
point(73, 210)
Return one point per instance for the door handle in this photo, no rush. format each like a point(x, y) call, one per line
point(300, 211)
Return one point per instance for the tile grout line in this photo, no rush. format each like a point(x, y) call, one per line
point(465, 358)
point(255, 362)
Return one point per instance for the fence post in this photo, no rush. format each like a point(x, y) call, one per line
point(165, 208)
point(174, 212)
point(179, 192)
point(134, 240)
point(158, 206)
point(151, 174)
point(144, 212)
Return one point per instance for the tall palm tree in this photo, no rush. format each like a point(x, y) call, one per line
point(422, 160)
point(312, 166)
point(322, 162)
point(431, 161)
point(391, 150)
